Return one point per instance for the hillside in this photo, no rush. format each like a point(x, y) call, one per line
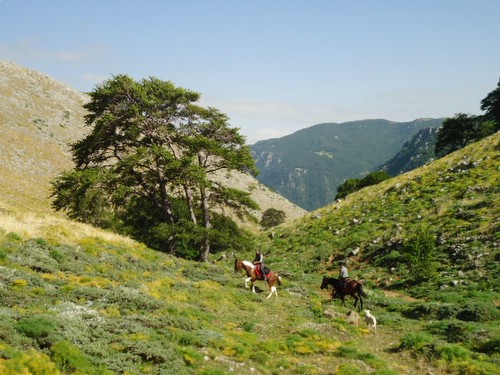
point(40, 117)
point(329, 154)
point(76, 300)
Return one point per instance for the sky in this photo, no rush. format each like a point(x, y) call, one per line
point(273, 66)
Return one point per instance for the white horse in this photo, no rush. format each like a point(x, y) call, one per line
point(253, 274)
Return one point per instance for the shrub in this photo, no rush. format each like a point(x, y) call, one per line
point(453, 352)
point(452, 331)
point(36, 327)
point(272, 217)
point(418, 252)
point(490, 347)
point(414, 341)
point(478, 312)
point(349, 369)
point(69, 358)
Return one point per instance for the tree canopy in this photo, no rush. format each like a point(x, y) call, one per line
point(145, 166)
point(355, 184)
point(462, 129)
point(491, 104)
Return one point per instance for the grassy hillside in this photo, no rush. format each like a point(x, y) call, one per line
point(78, 300)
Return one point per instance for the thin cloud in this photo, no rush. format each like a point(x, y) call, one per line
point(30, 48)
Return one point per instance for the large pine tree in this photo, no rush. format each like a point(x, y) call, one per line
point(150, 148)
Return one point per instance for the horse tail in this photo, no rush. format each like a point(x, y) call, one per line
point(361, 291)
point(236, 265)
point(279, 280)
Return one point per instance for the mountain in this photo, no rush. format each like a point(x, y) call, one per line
point(78, 300)
point(40, 117)
point(307, 166)
point(414, 153)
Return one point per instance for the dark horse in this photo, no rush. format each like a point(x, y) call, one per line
point(352, 288)
point(253, 274)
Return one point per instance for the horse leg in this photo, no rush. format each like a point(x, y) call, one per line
point(355, 300)
point(361, 301)
point(273, 288)
point(247, 280)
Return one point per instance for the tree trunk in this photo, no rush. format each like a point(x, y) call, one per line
point(166, 209)
point(190, 203)
point(205, 246)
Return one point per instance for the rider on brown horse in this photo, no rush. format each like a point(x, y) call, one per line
point(259, 263)
point(343, 275)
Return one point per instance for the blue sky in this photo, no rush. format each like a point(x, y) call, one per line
point(273, 66)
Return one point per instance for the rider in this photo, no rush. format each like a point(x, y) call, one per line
point(343, 275)
point(259, 262)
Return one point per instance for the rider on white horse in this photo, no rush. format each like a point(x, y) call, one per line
point(259, 262)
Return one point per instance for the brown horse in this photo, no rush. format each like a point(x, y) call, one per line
point(253, 274)
point(352, 288)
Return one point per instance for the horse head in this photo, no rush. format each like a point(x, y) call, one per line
point(325, 283)
point(237, 265)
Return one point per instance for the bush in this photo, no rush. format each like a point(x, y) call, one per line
point(272, 217)
point(478, 312)
point(453, 352)
point(453, 331)
point(490, 347)
point(36, 327)
point(418, 251)
point(71, 360)
point(415, 341)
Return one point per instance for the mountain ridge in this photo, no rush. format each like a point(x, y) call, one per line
point(329, 154)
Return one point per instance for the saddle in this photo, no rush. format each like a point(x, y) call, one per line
point(259, 274)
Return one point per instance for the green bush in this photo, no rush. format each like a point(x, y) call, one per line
point(36, 327)
point(349, 369)
point(272, 217)
point(478, 312)
point(452, 330)
point(419, 251)
point(453, 352)
point(415, 341)
point(69, 358)
point(489, 347)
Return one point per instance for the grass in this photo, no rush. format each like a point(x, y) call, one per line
point(77, 300)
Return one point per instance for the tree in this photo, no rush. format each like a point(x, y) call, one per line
point(491, 104)
point(355, 184)
point(461, 130)
point(272, 217)
point(215, 147)
point(457, 132)
point(151, 147)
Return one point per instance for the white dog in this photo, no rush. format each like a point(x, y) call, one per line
point(370, 320)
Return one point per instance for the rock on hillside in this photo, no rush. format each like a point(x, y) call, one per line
point(39, 118)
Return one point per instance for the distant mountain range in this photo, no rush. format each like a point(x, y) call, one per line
point(307, 166)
